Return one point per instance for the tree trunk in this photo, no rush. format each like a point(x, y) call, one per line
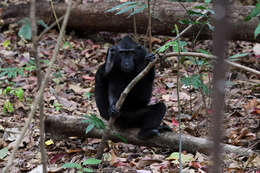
point(65, 126)
point(92, 17)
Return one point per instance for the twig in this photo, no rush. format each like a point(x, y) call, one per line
point(149, 26)
point(201, 91)
point(40, 92)
point(34, 41)
point(54, 13)
point(50, 27)
point(186, 29)
point(178, 98)
point(212, 57)
point(39, 80)
point(134, 22)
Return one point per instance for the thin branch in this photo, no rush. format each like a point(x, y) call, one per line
point(54, 14)
point(149, 26)
point(186, 29)
point(134, 22)
point(39, 80)
point(50, 27)
point(40, 92)
point(35, 45)
point(201, 91)
point(189, 27)
point(212, 57)
point(178, 98)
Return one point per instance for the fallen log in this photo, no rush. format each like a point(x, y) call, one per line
point(92, 17)
point(66, 126)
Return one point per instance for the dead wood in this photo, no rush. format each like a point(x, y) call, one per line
point(92, 17)
point(65, 126)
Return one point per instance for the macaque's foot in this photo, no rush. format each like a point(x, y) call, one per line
point(113, 112)
point(148, 133)
point(164, 128)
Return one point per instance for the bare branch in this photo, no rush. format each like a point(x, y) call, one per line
point(62, 126)
point(39, 80)
point(212, 57)
point(40, 92)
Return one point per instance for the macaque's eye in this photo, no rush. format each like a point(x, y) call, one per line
point(139, 47)
point(112, 50)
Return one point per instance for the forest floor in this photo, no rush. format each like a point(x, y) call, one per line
point(70, 91)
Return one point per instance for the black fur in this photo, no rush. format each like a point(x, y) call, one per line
point(123, 62)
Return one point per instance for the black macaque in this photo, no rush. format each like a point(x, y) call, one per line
point(124, 62)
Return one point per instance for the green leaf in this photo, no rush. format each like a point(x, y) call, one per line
point(42, 23)
point(8, 107)
point(124, 10)
point(87, 95)
point(100, 124)
point(211, 27)
point(3, 152)
point(87, 170)
point(204, 51)
point(238, 55)
point(164, 47)
point(12, 74)
point(26, 31)
point(211, 11)
point(205, 89)
point(195, 81)
point(200, 7)
point(19, 93)
point(254, 12)
point(121, 137)
point(92, 119)
point(24, 20)
point(6, 43)
point(194, 13)
point(7, 90)
point(12, 92)
point(89, 128)
point(186, 81)
point(257, 30)
point(138, 10)
point(67, 45)
point(3, 73)
point(72, 165)
point(186, 21)
point(185, 158)
point(176, 47)
point(120, 6)
point(91, 161)
point(207, 2)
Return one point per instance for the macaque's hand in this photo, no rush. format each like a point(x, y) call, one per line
point(113, 112)
point(150, 57)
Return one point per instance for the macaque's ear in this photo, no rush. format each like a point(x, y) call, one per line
point(110, 60)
